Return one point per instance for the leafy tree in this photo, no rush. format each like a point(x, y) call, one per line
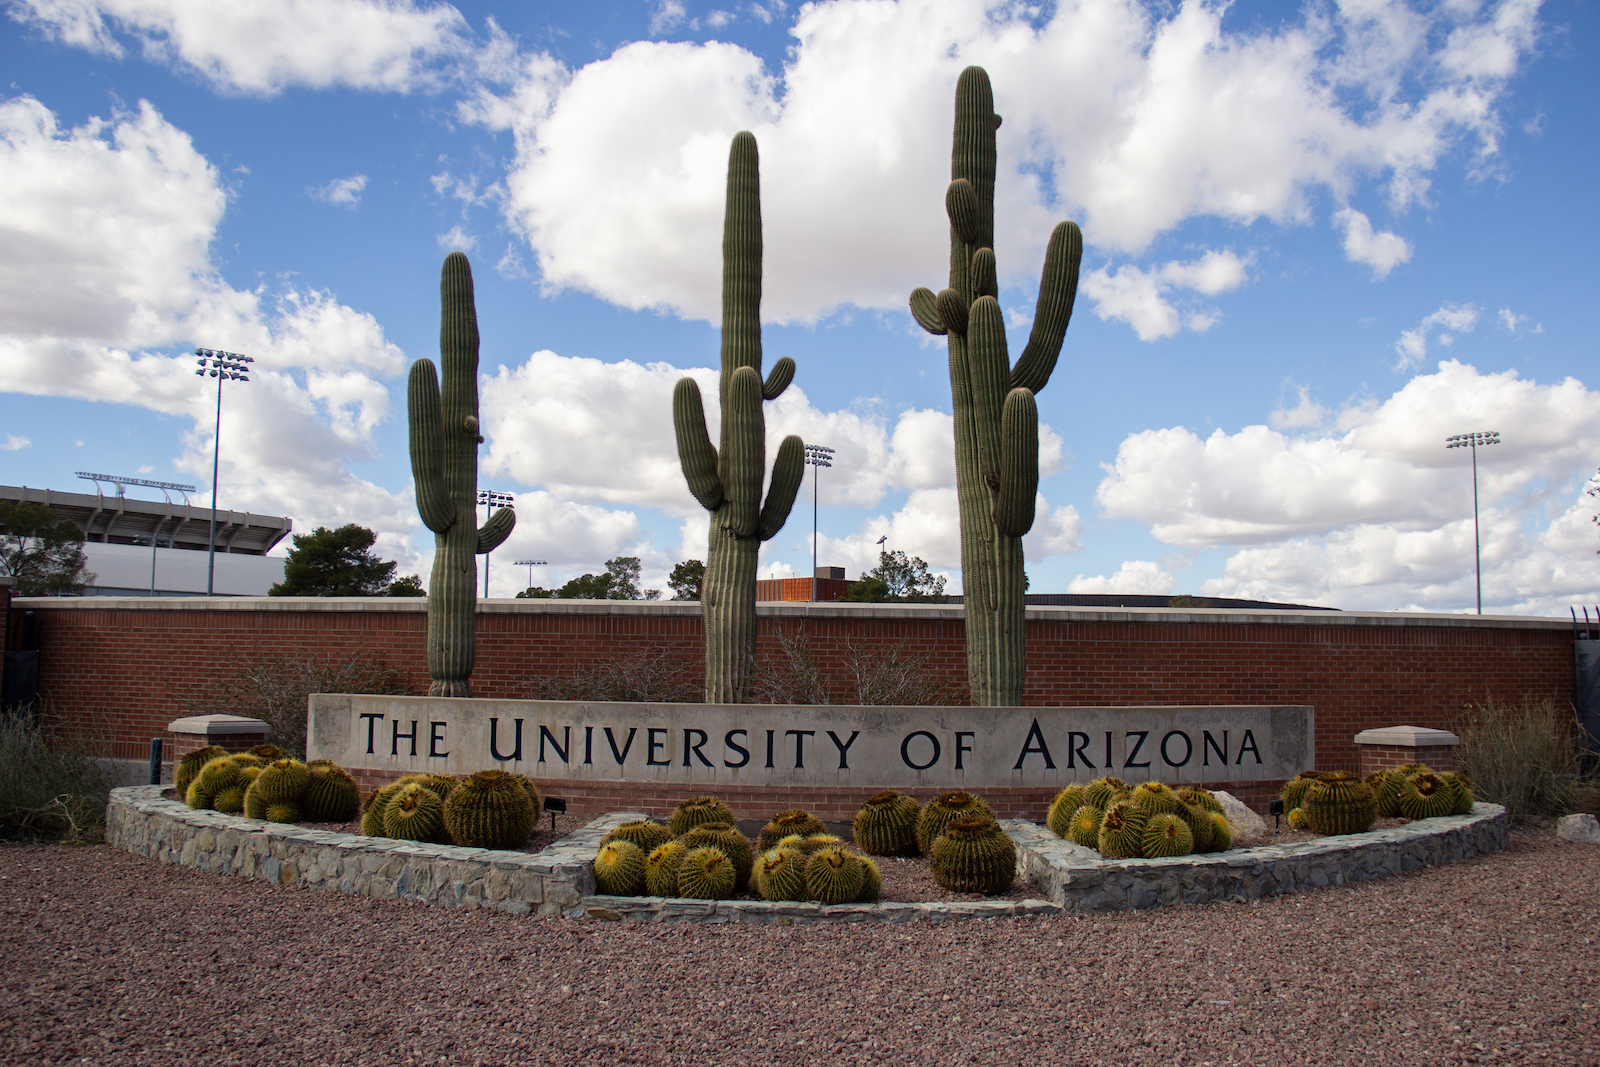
point(619, 581)
point(410, 585)
point(335, 563)
point(43, 553)
point(899, 578)
point(685, 579)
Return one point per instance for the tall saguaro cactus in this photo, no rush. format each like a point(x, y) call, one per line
point(444, 463)
point(727, 481)
point(996, 420)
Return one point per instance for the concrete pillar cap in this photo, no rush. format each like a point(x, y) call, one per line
point(217, 725)
point(1407, 737)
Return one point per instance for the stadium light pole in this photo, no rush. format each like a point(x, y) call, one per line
point(1472, 441)
point(491, 499)
point(817, 457)
point(223, 366)
point(528, 563)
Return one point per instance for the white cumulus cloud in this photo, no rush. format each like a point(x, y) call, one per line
point(1135, 576)
point(1140, 298)
point(1373, 511)
point(14, 443)
point(1122, 115)
point(265, 46)
point(1413, 344)
point(345, 192)
point(1382, 251)
point(105, 232)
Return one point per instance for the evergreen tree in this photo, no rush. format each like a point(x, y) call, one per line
point(899, 578)
point(335, 563)
point(685, 579)
point(43, 553)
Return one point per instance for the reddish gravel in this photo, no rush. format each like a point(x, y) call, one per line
point(114, 960)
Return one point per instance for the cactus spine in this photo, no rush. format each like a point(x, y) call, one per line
point(619, 869)
point(647, 835)
point(996, 419)
point(661, 868)
point(444, 464)
point(785, 823)
point(940, 810)
point(887, 824)
point(727, 481)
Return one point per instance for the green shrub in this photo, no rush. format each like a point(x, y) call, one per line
point(1524, 757)
point(52, 792)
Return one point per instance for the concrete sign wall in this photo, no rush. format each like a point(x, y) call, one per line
point(711, 745)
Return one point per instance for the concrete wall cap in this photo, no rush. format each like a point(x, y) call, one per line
point(215, 725)
point(1407, 737)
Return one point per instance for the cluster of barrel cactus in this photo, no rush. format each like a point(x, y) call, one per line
point(267, 783)
point(1336, 802)
point(700, 854)
point(967, 850)
point(1147, 821)
point(489, 809)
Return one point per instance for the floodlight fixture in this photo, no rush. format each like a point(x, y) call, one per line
point(491, 499)
point(530, 564)
point(1473, 441)
point(817, 457)
point(224, 367)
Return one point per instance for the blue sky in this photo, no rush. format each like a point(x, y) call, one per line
point(1319, 240)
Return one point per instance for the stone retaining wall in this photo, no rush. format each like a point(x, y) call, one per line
point(560, 879)
point(1080, 879)
point(551, 882)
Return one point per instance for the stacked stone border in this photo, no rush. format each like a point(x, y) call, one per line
point(560, 879)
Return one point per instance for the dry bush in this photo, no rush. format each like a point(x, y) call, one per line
point(275, 689)
point(878, 675)
point(640, 677)
point(49, 790)
point(1522, 756)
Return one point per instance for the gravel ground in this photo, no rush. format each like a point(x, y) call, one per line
point(115, 960)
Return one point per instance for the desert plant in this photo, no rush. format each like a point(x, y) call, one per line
point(275, 689)
point(1294, 790)
point(780, 874)
point(331, 795)
point(1198, 820)
point(619, 869)
point(283, 811)
point(811, 844)
point(1522, 756)
point(996, 418)
point(1203, 799)
point(706, 874)
point(646, 834)
point(1166, 834)
point(445, 435)
point(1100, 791)
point(1085, 826)
point(727, 481)
point(1062, 809)
point(973, 855)
point(793, 675)
point(793, 821)
point(414, 813)
point(489, 810)
point(268, 751)
point(371, 815)
point(189, 766)
point(1460, 792)
point(834, 875)
point(733, 844)
point(1122, 830)
point(1339, 803)
point(940, 810)
point(1156, 798)
point(871, 881)
point(1385, 785)
point(697, 810)
point(661, 868)
point(1221, 832)
point(886, 824)
point(283, 780)
point(637, 677)
point(1423, 795)
point(49, 790)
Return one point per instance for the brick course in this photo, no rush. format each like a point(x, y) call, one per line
point(116, 670)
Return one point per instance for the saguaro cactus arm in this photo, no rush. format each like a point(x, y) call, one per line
point(1058, 289)
point(696, 454)
point(492, 534)
point(434, 505)
point(788, 471)
point(1019, 464)
point(778, 380)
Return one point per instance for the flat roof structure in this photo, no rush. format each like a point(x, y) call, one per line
point(120, 520)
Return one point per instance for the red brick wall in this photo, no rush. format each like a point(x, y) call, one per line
point(116, 671)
